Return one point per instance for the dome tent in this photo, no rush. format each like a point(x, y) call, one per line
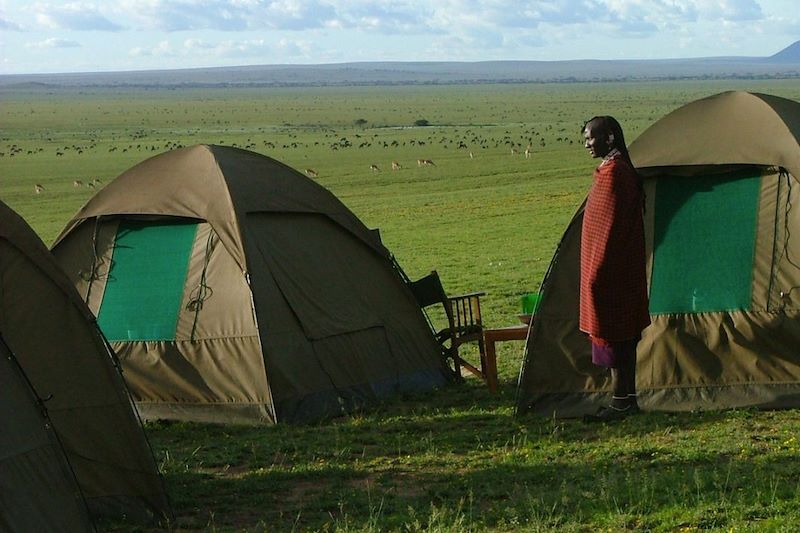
point(52, 340)
point(721, 179)
point(38, 490)
point(235, 289)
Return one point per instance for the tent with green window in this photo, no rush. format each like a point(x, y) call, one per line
point(235, 289)
point(70, 438)
point(722, 224)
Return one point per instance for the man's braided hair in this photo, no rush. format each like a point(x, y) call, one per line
point(610, 126)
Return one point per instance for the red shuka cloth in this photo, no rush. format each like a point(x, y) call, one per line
point(613, 297)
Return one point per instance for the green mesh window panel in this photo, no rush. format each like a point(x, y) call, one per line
point(145, 284)
point(704, 243)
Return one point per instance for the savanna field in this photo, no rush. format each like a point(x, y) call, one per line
point(487, 218)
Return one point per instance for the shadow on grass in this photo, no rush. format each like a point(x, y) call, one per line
point(630, 494)
point(459, 459)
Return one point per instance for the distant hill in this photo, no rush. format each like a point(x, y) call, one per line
point(784, 64)
point(790, 54)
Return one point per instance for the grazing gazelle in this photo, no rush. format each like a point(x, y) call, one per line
point(425, 163)
point(396, 165)
point(374, 168)
point(311, 173)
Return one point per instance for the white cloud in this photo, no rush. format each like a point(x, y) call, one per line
point(391, 16)
point(294, 48)
point(161, 49)
point(186, 15)
point(530, 40)
point(647, 17)
point(194, 48)
point(54, 42)
point(385, 16)
point(317, 31)
point(241, 49)
point(74, 16)
point(8, 25)
point(395, 17)
point(466, 28)
point(730, 10)
point(295, 14)
point(241, 15)
point(197, 44)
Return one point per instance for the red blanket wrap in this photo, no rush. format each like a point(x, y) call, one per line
point(613, 297)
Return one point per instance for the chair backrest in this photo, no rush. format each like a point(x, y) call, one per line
point(463, 311)
point(466, 311)
point(429, 290)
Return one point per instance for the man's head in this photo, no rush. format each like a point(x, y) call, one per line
point(603, 134)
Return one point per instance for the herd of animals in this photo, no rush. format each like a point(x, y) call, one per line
point(469, 138)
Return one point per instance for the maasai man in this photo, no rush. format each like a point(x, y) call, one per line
point(613, 288)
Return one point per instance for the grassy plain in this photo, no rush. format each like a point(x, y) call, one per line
point(457, 459)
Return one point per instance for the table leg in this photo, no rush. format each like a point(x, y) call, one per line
point(491, 364)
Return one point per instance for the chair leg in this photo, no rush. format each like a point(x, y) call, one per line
point(455, 370)
point(466, 365)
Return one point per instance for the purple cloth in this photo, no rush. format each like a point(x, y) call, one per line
point(614, 354)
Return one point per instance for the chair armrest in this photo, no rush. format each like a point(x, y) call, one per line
point(467, 295)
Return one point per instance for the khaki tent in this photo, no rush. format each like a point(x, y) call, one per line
point(38, 491)
point(235, 289)
point(723, 240)
point(51, 335)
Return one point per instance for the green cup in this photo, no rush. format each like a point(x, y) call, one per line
point(530, 303)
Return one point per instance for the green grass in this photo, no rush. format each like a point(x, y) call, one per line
point(468, 464)
point(456, 459)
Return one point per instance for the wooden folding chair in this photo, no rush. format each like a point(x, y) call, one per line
point(464, 323)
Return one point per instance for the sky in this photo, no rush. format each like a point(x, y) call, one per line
point(89, 36)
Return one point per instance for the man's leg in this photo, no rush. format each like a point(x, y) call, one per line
point(620, 387)
point(623, 381)
point(631, 380)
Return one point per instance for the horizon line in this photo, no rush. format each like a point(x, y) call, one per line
point(376, 61)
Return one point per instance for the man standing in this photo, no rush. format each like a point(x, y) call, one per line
point(613, 287)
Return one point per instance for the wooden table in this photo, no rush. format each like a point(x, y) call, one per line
point(490, 337)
